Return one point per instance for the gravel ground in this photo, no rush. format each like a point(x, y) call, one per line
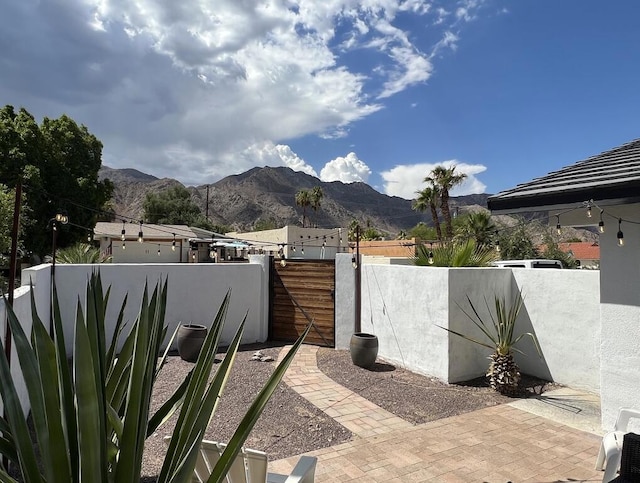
point(290, 425)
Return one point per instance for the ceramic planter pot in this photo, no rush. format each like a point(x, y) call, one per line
point(364, 349)
point(190, 339)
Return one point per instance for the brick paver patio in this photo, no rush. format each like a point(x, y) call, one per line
point(496, 444)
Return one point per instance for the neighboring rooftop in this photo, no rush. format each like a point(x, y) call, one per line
point(615, 174)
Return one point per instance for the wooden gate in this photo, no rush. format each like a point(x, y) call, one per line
point(303, 291)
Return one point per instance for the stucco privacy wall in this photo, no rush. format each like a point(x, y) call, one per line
point(620, 314)
point(404, 305)
point(22, 309)
point(194, 293)
point(562, 307)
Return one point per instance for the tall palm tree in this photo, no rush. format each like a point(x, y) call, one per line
point(445, 179)
point(429, 198)
point(316, 196)
point(303, 198)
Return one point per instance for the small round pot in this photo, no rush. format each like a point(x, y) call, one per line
point(364, 349)
point(190, 339)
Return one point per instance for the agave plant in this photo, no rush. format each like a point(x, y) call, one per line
point(456, 254)
point(503, 372)
point(92, 416)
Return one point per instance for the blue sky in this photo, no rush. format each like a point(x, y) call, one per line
point(378, 91)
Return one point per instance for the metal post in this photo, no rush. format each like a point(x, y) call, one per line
point(358, 324)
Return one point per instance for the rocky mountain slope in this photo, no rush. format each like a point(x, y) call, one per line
point(239, 201)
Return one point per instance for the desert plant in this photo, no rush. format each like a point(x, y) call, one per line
point(503, 372)
point(455, 254)
point(92, 416)
point(81, 253)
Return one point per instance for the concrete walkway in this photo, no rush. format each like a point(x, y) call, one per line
point(497, 444)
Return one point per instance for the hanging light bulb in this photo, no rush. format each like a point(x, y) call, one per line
point(140, 235)
point(588, 210)
point(123, 233)
point(558, 227)
point(90, 235)
point(498, 246)
point(283, 261)
point(293, 248)
point(601, 223)
point(430, 259)
point(302, 248)
point(620, 235)
point(158, 249)
point(173, 243)
point(354, 262)
point(124, 246)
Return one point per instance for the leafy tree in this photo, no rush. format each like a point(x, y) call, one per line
point(172, 206)
point(58, 164)
point(265, 224)
point(444, 179)
point(553, 252)
point(423, 231)
point(303, 199)
point(477, 226)
point(369, 232)
point(516, 244)
point(429, 199)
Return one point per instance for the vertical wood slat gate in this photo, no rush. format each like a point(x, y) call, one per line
point(303, 290)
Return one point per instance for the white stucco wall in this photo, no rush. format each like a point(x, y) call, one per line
point(404, 305)
point(22, 309)
point(562, 307)
point(620, 315)
point(195, 292)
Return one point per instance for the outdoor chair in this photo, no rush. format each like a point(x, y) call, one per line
point(611, 447)
point(250, 466)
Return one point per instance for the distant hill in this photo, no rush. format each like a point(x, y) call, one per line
point(268, 193)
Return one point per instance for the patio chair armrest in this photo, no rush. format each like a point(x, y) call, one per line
point(304, 471)
point(624, 415)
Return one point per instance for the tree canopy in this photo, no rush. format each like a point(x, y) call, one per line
point(57, 163)
point(174, 206)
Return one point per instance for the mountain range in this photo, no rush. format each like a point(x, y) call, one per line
point(268, 194)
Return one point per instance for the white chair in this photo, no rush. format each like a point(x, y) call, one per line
point(611, 447)
point(250, 466)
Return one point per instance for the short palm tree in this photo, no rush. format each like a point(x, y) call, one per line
point(445, 179)
point(499, 332)
point(429, 199)
point(479, 227)
point(303, 199)
point(456, 254)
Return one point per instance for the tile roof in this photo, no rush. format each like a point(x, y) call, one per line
point(612, 176)
point(581, 250)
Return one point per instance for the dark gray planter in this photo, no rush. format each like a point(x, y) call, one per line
point(190, 339)
point(364, 349)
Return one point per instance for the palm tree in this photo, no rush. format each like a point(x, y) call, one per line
point(428, 198)
point(303, 198)
point(315, 199)
point(445, 179)
point(478, 226)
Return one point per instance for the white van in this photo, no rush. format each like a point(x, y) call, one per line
point(536, 263)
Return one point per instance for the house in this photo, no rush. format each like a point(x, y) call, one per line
point(151, 243)
point(294, 242)
point(601, 191)
point(587, 254)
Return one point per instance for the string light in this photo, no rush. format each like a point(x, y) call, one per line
point(123, 233)
point(301, 248)
point(558, 227)
point(430, 259)
point(90, 236)
point(354, 263)
point(158, 249)
point(140, 235)
point(601, 223)
point(588, 210)
point(124, 245)
point(620, 235)
point(173, 243)
point(498, 246)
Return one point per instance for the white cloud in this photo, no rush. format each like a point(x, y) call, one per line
point(196, 92)
point(348, 169)
point(405, 180)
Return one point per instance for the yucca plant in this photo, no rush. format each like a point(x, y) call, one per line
point(455, 254)
point(503, 372)
point(92, 416)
